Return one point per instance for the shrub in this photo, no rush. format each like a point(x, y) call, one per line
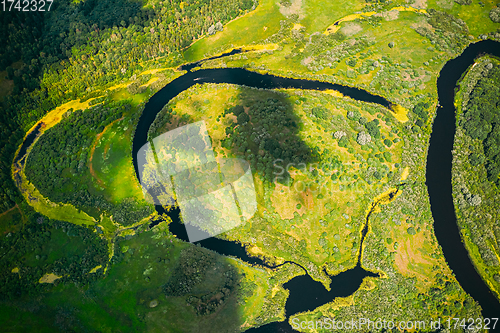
point(320, 112)
point(363, 138)
point(243, 118)
point(343, 142)
point(495, 14)
point(476, 159)
point(372, 128)
point(354, 115)
point(411, 231)
point(339, 135)
point(215, 27)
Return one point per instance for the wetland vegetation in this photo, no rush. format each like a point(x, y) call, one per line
point(320, 160)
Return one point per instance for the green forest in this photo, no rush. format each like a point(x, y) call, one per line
point(81, 47)
point(58, 166)
point(475, 173)
point(481, 120)
point(48, 246)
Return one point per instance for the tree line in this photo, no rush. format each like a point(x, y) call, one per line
point(58, 164)
point(34, 251)
point(481, 120)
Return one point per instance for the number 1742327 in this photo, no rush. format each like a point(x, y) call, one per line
point(26, 5)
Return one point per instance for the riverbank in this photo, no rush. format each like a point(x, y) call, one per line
point(477, 220)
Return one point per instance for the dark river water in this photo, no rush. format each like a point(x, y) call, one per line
point(305, 293)
point(438, 179)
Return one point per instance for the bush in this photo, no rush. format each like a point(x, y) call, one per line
point(339, 135)
point(411, 231)
point(363, 138)
point(372, 128)
point(476, 159)
point(354, 115)
point(343, 142)
point(243, 118)
point(320, 112)
point(495, 14)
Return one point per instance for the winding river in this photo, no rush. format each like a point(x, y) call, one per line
point(305, 293)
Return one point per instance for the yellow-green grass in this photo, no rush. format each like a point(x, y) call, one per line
point(206, 102)
point(475, 15)
point(337, 24)
point(112, 163)
point(63, 212)
point(321, 14)
point(413, 256)
point(118, 189)
point(125, 294)
point(265, 289)
point(247, 29)
point(312, 208)
point(409, 46)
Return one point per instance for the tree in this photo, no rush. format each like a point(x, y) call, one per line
point(476, 159)
point(495, 14)
point(363, 138)
point(372, 128)
point(243, 118)
point(354, 115)
point(320, 112)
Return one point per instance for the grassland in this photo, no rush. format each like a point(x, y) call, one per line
point(318, 222)
point(314, 207)
point(242, 31)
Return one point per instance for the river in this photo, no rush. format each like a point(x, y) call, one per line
point(305, 293)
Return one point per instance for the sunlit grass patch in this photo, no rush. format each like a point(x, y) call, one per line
point(253, 26)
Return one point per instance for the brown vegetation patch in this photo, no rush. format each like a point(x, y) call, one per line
point(411, 259)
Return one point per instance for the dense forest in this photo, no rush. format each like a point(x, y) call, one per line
point(58, 166)
point(481, 120)
point(48, 246)
point(79, 47)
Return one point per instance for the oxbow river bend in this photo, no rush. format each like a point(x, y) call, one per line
point(305, 293)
